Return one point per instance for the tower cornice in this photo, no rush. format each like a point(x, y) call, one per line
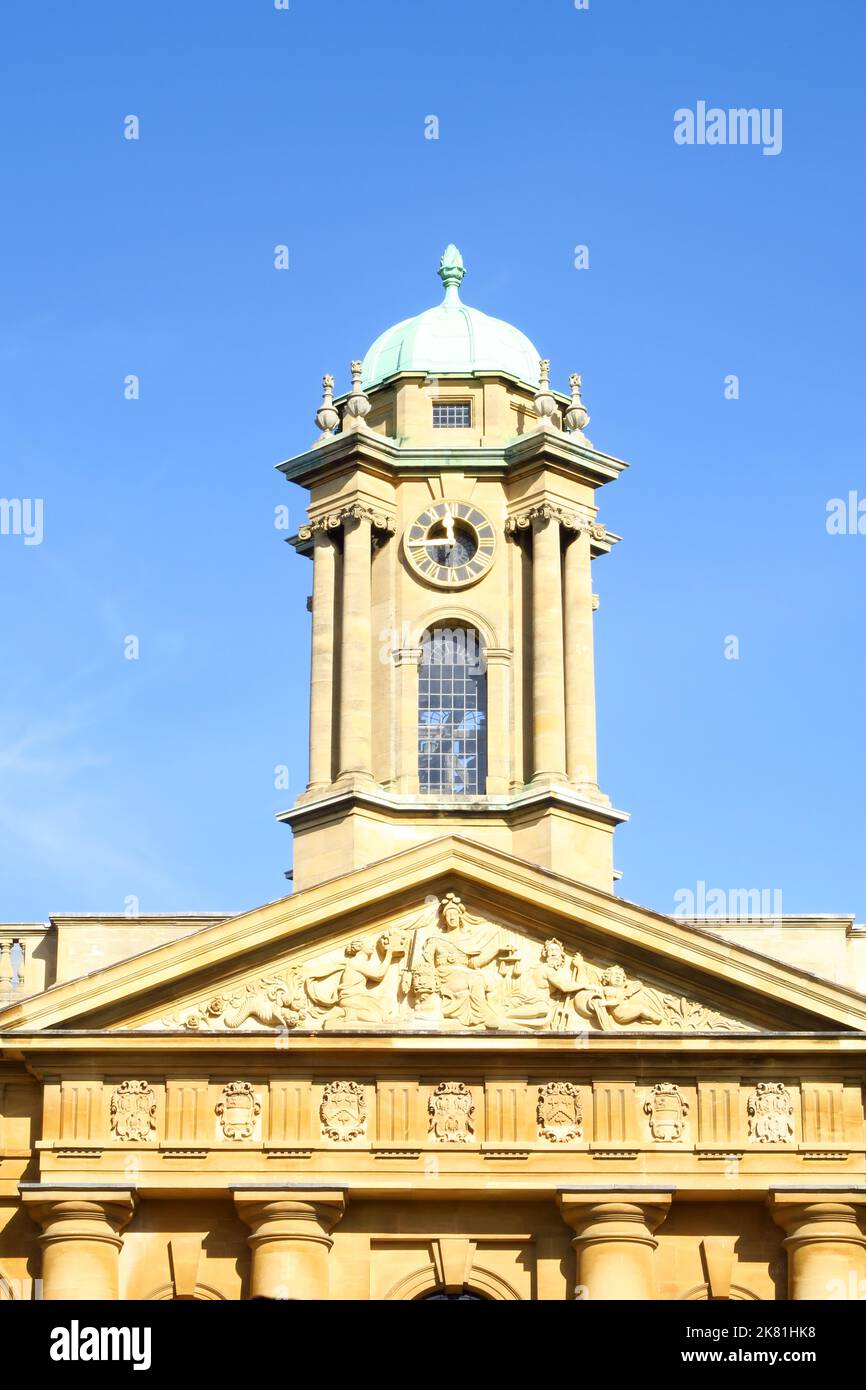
point(337, 802)
point(379, 454)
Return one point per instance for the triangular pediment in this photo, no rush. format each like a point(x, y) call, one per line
point(447, 964)
point(447, 937)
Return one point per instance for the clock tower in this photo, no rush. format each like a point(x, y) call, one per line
point(452, 524)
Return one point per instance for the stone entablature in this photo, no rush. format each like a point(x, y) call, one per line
point(315, 1104)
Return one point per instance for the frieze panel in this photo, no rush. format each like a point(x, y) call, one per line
point(580, 1105)
point(343, 1111)
point(771, 1114)
point(238, 1110)
point(452, 1113)
point(666, 1110)
point(132, 1111)
point(559, 1112)
point(448, 969)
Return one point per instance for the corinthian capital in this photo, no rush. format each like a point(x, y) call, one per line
point(571, 518)
point(354, 511)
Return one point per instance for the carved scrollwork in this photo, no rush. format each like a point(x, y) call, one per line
point(356, 511)
point(572, 520)
point(272, 1002)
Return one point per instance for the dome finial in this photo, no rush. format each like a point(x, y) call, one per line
point(451, 271)
point(576, 416)
point(327, 415)
point(357, 402)
point(545, 402)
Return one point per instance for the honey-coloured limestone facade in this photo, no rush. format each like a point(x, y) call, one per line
point(453, 1061)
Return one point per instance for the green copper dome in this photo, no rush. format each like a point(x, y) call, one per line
point(451, 337)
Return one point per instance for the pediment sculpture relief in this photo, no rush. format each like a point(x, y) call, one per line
point(448, 969)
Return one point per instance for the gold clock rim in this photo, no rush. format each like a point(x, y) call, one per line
point(487, 559)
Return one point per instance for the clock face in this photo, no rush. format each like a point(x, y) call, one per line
point(451, 544)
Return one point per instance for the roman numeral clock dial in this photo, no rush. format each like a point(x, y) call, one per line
point(450, 544)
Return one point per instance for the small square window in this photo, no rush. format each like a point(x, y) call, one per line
point(452, 415)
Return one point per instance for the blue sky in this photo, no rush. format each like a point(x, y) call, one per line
point(155, 778)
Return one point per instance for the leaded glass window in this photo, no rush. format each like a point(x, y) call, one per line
point(452, 713)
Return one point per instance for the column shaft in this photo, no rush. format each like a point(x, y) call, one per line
point(614, 1243)
point(356, 653)
point(826, 1249)
point(548, 673)
point(80, 1243)
point(580, 732)
point(290, 1242)
point(322, 662)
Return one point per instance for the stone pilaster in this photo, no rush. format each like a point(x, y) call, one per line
point(322, 663)
point(499, 736)
point(80, 1239)
point(407, 660)
point(290, 1240)
point(614, 1241)
point(548, 672)
point(580, 737)
point(356, 651)
point(825, 1243)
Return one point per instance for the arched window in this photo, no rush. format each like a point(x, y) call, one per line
point(452, 712)
point(467, 1296)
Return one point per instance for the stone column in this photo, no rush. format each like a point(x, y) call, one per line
point(825, 1244)
point(356, 654)
point(614, 1243)
point(290, 1240)
point(322, 663)
point(80, 1240)
point(548, 673)
point(407, 661)
point(580, 736)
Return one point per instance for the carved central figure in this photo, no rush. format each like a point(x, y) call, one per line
point(458, 955)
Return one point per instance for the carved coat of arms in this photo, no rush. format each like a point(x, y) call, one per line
point(771, 1110)
point(238, 1110)
point(132, 1110)
point(667, 1111)
point(343, 1111)
point(452, 1113)
point(559, 1112)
